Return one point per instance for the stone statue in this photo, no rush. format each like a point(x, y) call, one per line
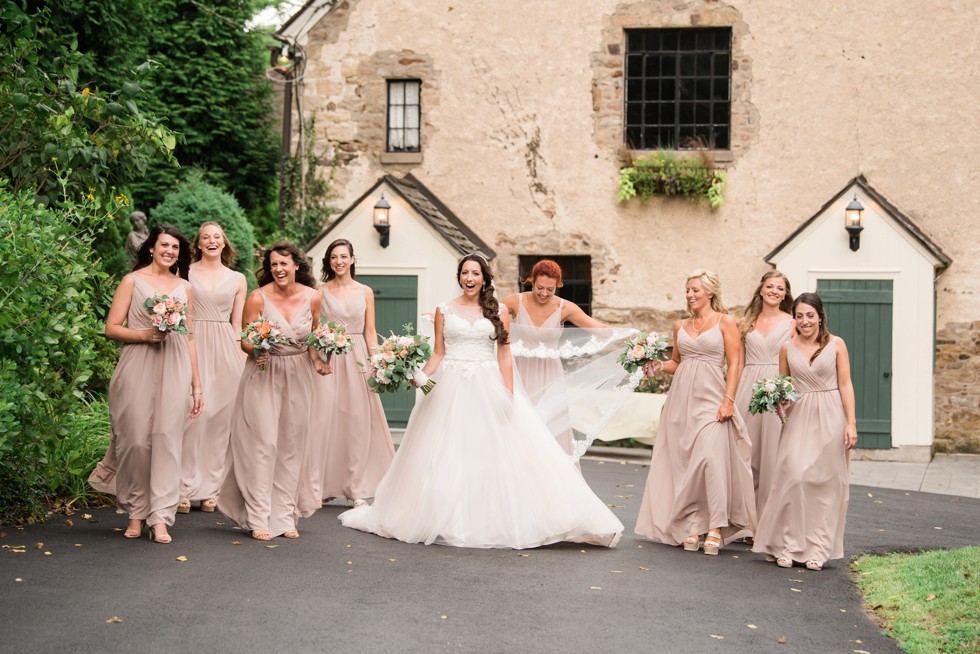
point(136, 237)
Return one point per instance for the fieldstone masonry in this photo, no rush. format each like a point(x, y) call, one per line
point(957, 388)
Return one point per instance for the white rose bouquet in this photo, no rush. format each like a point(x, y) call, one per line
point(770, 394)
point(642, 349)
point(398, 361)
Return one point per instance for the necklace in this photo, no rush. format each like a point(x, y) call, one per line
point(698, 331)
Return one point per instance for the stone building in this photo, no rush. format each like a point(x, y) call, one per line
point(517, 118)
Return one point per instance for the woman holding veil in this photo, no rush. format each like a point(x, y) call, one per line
point(477, 466)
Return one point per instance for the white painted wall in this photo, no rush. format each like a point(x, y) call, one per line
point(415, 248)
point(887, 252)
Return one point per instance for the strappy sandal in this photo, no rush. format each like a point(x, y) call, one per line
point(691, 543)
point(814, 565)
point(163, 539)
point(784, 562)
point(261, 535)
point(208, 505)
point(292, 534)
point(712, 543)
point(184, 506)
point(134, 532)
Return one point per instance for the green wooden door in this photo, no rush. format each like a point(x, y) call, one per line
point(395, 304)
point(860, 312)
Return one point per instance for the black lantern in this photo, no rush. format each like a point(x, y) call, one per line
point(852, 222)
point(382, 212)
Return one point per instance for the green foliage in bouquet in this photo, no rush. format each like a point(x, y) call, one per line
point(668, 175)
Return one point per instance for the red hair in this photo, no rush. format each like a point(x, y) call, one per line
point(545, 268)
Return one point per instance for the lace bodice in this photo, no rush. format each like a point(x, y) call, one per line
point(467, 338)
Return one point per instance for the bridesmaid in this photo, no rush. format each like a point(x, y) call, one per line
point(765, 326)
point(350, 443)
point(543, 313)
point(700, 479)
point(154, 388)
point(804, 517)
point(269, 482)
point(219, 296)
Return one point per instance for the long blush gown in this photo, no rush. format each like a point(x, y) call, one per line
point(761, 362)
point(149, 401)
point(477, 467)
point(220, 362)
point(700, 475)
point(538, 373)
point(805, 515)
point(269, 484)
point(350, 442)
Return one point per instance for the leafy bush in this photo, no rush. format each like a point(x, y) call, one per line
point(666, 174)
point(195, 201)
point(49, 328)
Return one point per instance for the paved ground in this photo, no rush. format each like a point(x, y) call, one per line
point(336, 590)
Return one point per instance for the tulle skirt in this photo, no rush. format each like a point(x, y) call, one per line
point(478, 468)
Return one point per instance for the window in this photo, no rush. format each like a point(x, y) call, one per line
point(678, 88)
point(576, 275)
point(404, 114)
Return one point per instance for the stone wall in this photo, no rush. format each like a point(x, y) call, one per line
point(957, 384)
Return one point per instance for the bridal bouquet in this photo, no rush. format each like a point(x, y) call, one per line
point(641, 349)
point(330, 339)
point(398, 361)
point(768, 396)
point(263, 334)
point(167, 313)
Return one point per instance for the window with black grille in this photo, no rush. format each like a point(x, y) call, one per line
point(678, 88)
point(404, 115)
point(576, 273)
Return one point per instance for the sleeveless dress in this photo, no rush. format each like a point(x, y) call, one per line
point(761, 361)
point(350, 442)
point(269, 483)
point(805, 515)
point(537, 374)
point(700, 475)
point(477, 467)
point(220, 362)
point(149, 401)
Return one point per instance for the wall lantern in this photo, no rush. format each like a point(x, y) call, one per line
point(852, 222)
point(284, 62)
point(382, 211)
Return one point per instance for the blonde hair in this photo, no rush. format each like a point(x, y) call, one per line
point(228, 254)
point(754, 307)
point(712, 286)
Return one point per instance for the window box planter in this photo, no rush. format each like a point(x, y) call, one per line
point(666, 174)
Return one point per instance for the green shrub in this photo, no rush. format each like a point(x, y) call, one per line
point(49, 327)
point(665, 174)
point(195, 201)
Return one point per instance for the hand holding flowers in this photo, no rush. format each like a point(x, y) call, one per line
point(641, 349)
point(167, 314)
point(262, 334)
point(330, 339)
point(397, 363)
point(772, 394)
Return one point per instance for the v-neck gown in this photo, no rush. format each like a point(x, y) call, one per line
point(700, 474)
point(807, 506)
point(149, 401)
point(269, 484)
point(477, 467)
point(220, 362)
point(350, 442)
point(761, 361)
point(538, 373)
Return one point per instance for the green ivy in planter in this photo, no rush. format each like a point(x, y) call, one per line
point(666, 174)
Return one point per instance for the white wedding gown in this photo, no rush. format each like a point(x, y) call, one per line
point(478, 467)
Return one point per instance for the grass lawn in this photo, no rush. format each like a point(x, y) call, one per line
point(928, 602)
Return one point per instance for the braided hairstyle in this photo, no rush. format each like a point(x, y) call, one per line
point(488, 302)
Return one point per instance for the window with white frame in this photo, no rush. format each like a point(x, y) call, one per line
point(404, 115)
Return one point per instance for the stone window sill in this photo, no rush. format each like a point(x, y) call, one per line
point(719, 157)
point(401, 157)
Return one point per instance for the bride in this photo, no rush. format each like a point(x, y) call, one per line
point(477, 467)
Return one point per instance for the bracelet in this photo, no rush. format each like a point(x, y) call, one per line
point(727, 397)
point(197, 393)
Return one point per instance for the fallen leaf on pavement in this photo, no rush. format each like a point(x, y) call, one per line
point(39, 546)
point(18, 579)
point(751, 626)
point(69, 522)
point(595, 587)
point(348, 546)
point(350, 563)
point(524, 555)
point(181, 558)
point(582, 551)
point(799, 581)
point(643, 568)
point(717, 637)
point(938, 528)
point(271, 547)
point(843, 610)
point(87, 516)
point(442, 617)
point(113, 620)
point(47, 554)
point(796, 590)
point(870, 495)
point(117, 528)
point(616, 572)
point(392, 560)
point(861, 651)
point(236, 542)
point(781, 640)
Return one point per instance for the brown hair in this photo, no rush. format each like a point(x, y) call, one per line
point(327, 273)
point(144, 256)
point(228, 253)
point(489, 303)
point(304, 272)
point(754, 307)
point(823, 332)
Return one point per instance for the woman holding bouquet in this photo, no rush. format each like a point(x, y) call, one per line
point(269, 484)
point(350, 441)
point(155, 386)
point(700, 480)
point(219, 296)
point(764, 327)
point(804, 516)
point(477, 466)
